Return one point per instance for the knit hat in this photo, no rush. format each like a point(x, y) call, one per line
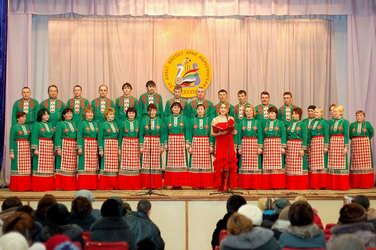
point(280, 204)
point(85, 193)
point(352, 213)
point(14, 241)
point(56, 240)
point(66, 246)
point(252, 212)
point(284, 214)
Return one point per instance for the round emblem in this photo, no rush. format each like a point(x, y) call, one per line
point(195, 126)
point(255, 128)
point(319, 127)
point(157, 126)
point(298, 128)
point(108, 130)
point(66, 130)
point(189, 69)
point(276, 128)
point(87, 129)
point(42, 130)
point(20, 132)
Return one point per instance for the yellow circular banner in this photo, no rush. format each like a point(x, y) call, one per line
point(189, 69)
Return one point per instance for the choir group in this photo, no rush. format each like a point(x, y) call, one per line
point(119, 145)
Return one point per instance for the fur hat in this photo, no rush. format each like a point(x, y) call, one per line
point(352, 213)
point(252, 212)
point(14, 241)
point(85, 193)
point(280, 204)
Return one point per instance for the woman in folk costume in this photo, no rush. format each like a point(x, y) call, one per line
point(331, 110)
point(129, 174)
point(338, 178)
point(151, 148)
point(318, 140)
point(200, 150)
point(20, 154)
point(109, 151)
point(296, 160)
point(361, 165)
point(43, 153)
point(87, 145)
point(177, 134)
point(250, 148)
point(225, 157)
point(273, 167)
point(66, 151)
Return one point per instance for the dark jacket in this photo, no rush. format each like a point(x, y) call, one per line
point(221, 224)
point(361, 230)
point(144, 229)
point(72, 231)
point(257, 239)
point(111, 229)
point(310, 236)
point(279, 227)
point(84, 222)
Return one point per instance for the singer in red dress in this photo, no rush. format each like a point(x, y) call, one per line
point(225, 157)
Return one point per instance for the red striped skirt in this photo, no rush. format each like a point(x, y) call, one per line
point(200, 172)
point(46, 157)
point(176, 168)
point(338, 178)
point(151, 173)
point(361, 167)
point(250, 176)
point(273, 172)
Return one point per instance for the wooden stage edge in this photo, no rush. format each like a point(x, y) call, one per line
point(194, 195)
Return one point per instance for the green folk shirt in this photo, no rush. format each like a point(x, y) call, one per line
point(146, 99)
point(129, 129)
point(78, 106)
point(297, 130)
point(122, 104)
point(209, 108)
point(361, 129)
point(275, 128)
point(152, 127)
point(55, 107)
point(262, 113)
point(340, 127)
point(200, 126)
point(64, 130)
point(285, 113)
point(239, 111)
point(107, 130)
point(177, 124)
point(86, 129)
point(99, 105)
point(17, 132)
point(319, 127)
point(184, 104)
point(249, 128)
point(30, 107)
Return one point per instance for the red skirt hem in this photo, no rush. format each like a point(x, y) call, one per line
point(362, 180)
point(87, 181)
point(297, 182)
point(274, 181)
point(338, 182)
point(20, 183)
point(126, 182)
point(155, 182)
point(318, 181)
point(66, 183)
point(42, 183)
point(250, 181)
point(176, 179)
point(201, 180)
point(107, 182)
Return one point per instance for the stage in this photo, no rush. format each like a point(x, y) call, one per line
point(194, 195)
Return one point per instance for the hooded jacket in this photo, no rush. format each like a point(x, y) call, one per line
point(310, 236)
point(361, 230)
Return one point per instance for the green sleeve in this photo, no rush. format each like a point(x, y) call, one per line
point(211, 138)
point(186, 110)
point(351, 134)
point(142, 131)
point(190, 123)
point(80, 139)
point(212, 110)
point(100, 136)
point(62, 107)
point(11, 139)
point(239, 135)
point(279, 117)
point(160, 107)
point(326, 133)
point(346, 132)
point(141, 106)
point(304, 127)
point(187, 129)
point(260, 134)
point(117, 108)
point(14, 113)
point(370, 129)
point(282, 128)
point(58, 134)
point(167, 111)
point(34, 136)
point(309, 135)
point(232, 112)
point(112, 103)
point(121, 134)
point(137, 107)
point(164, 130)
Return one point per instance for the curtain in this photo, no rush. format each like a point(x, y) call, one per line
point(275, 55)
point(3, 68)
point(198, 8)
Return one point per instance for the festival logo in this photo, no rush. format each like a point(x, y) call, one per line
point(188, 68)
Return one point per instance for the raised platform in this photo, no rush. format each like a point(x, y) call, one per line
point(195, 195)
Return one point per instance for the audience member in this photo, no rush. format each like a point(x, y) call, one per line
point(58, 223)
point(112, 226)
point(347, 242)
point(302, 233)
point(271, 215)
point(89, 195)
point(81, 213)
point(316, 217)
point(282, 224)
point(361, 200)
point(234, 202)
point(43, 204)
point(55, 241)
point(242, 235)
point(9, 205)
point(143, 227)
point(353, 220)
point(38, 227)
point(13, 241)
point(252, 212)
point(371, 217)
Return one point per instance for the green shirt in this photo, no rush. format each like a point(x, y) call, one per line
point(262, 113)
point(41, 130)
point(64, 130)
point(152, 127)
point(275, 128)
point(30, 107)
point(86, 129)
point(184, 104)
point(239, 111)
point(361, 129)
point(129, 129)
point(77, 105)
point(319, 127)
point(200, 126)
point(107, 130)
point(17, 132)
point(249, 128)
point(339, 127)
point(285, 113)
point(145, 100)
point(122, 104)
point(297, 130)
point(55, 107)
point(209, 108)
point(177, 124)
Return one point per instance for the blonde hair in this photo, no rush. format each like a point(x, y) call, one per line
point(340, 109)
point(320, 109)
point(265, 203)
point(87, 110)
point(249, 106)
point(107, 111)
point(300, 198)
point(238, 224)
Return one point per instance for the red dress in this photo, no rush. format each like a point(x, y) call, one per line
point(225, 157)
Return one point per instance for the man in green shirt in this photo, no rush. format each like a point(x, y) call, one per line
point(26, 104)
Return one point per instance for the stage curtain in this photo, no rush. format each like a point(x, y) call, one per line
point(3, 68)
point(193, 7)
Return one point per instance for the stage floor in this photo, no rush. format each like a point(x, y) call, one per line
point(195, 195)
